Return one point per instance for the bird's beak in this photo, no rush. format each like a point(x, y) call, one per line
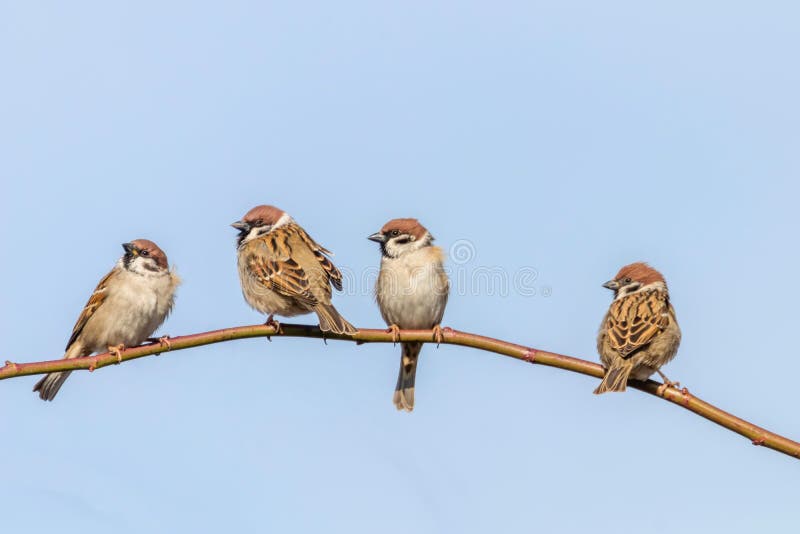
point(613, 285)
point(377, 237)
point(241, 226)
point(130, 249)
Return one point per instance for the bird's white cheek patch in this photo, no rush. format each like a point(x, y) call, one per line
point(144, 267)
point(255, 233)
point(263, 230)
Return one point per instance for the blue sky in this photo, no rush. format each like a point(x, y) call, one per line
point(561, 139)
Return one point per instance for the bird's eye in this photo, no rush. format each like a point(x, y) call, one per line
point(259, 222)
point(145, 253)
point(628, 280)
point(395, 232)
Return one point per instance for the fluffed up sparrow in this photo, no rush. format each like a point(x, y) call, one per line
point(411, 291)
point(285, 272)
point(639, 333)
point(127, 306)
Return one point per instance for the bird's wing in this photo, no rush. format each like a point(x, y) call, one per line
point(95, 301)
point(270, 263)
point(635, 320)
point(321, 253)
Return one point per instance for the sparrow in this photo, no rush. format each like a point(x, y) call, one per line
point(411, 290)
point(127, 306)
point(285, 272)
point(639, 333)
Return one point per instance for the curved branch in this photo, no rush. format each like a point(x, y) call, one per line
point(682, 397)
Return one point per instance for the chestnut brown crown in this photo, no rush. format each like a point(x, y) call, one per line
point(639, 272)
point(146, 249)
point(404, 226)
point(633, 277)
point(263, 215)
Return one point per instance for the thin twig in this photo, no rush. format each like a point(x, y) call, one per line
point(681, 397)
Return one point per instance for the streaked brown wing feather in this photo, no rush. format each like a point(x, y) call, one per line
point(320, 252)
point(634, 321)
point(95, 301)
point(277, 270)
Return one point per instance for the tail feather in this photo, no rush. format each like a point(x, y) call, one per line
point(50, 384)
point(331, 321)
point(616, 378)
point(404, 392)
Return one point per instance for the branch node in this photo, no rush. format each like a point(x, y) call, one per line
point(759, 441)
point(395, 331)
point(530, 356)
point(93, 365)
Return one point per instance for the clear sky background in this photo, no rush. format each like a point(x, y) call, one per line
point(561, 138)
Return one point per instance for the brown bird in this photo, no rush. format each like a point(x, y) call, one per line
point(127, 306)
point(639, 333)
point(411, 290)
point(285, 272)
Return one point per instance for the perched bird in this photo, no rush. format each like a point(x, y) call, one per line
point(127, 306)
point(285, 272)
point(411, 291)
point(639, 333)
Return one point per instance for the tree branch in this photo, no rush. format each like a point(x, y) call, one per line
point(682, 397)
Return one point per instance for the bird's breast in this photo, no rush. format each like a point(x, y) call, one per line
point(134, 308)
point(412, 294)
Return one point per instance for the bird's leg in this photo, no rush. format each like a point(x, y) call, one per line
point(667, 383)
point(273, 323)
point(395, 331)
point(116, 351)
point(437, 334)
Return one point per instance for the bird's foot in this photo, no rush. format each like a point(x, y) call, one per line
point(666, 385)
point(437, 335)
point(395, 331)
point(116, 350)
point(274, 324)
point(163, 341)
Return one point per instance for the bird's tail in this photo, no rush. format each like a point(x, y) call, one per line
point(616, 377)
point(51, 383)
point(404, 392)
point(331, 321)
